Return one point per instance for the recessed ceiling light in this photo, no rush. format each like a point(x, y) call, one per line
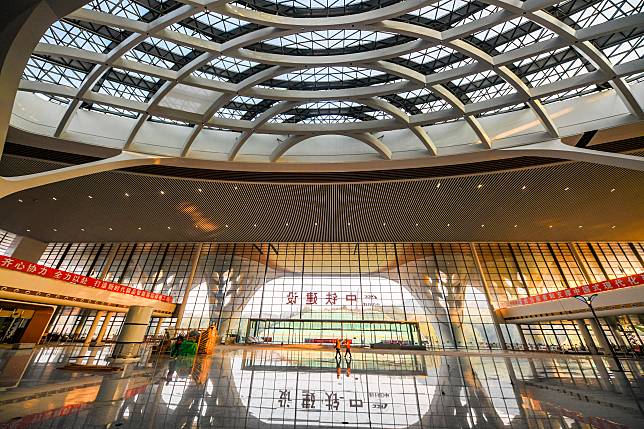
point(28, 230)
point(54, 198)
point(168, 227)
point(254, 225)
point(162, 192)
point(349, 223)
point(127, 195)
point(612, 190)
point(580, 226)
point(90, 197)
point(416, 224)
point(612, 227)
point(523, 187)
point(287, 224)
point(110, 228)
point(482, 225)
point(566, 188)
point(55, 230)
point(139, 228)
point(438, 185)
point(384, 224)
point(316, 224)
point(199, 189)
point(479, 186)
point(226, 226)
point(236, 188)
point(19, 200)
point(550, 226)
point(516, 226)
point(83, 229)
point(448, 224)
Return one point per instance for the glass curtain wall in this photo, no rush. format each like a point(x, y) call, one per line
point(434, 285)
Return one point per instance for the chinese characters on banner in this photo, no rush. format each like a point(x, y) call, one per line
point(329, 401)
point(620, 283)
point(331, 298)
point(27, 267)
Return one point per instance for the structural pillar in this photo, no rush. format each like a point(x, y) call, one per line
point(158, 328)
point(101, 332)
point(80, 324)
point(615, 327)
point(27, 249)
point(92, 328)
point(488, 297)
point(182, 307)
point(585, 334)
point(132, 335)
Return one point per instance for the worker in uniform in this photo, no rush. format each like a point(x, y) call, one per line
point(347, 344)
point(338, 354)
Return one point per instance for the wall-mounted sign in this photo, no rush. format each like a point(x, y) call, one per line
point(604, 286)
point(27, 267)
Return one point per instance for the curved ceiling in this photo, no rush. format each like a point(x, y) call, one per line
point(359, 69)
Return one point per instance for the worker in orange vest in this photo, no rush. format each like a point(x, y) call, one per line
point(338, 344)
point(347, 344)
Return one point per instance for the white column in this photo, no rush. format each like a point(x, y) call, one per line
point(193, 270)
point(101, 332)
point(132, 335)
point(92, 329)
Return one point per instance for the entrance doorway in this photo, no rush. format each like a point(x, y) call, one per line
point(362, 332)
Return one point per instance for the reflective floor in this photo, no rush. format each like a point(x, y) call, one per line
point(272, 388)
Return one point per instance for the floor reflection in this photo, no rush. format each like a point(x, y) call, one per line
point(269, 388)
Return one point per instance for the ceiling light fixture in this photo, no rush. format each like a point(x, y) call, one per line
point(438, 185)
point(254, 225)
point(516, 226)
point(90, 197)
point(348, 223)
point(612, 190)
point(54, 198)
point(110, 228)
point(566, 188)
point(316, 224)
point(127, 195)
point(612, 227)
point(19, 200)
point(236, 188)
point(448, 224)
point(482, 225)
point(168, 227)
point(384, 224)
point(416, 224)
point(139, 228)
point(287, 224)
point(83, 229)
point(162, 192)
point(550, 226)
point(28, 230)
point(199, 189)
point(55, 230)
point(523, 187)
point(226, 226)
point(479, 186)
point(580, 226)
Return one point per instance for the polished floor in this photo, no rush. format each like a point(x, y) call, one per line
point(271, 388)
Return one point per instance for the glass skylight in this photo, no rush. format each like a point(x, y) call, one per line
point(267, 57)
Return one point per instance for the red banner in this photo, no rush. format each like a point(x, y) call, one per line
point(605, 286)
point(27, 267)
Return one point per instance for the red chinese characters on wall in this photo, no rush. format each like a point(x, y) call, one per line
point(27, 267)
point(603, 286)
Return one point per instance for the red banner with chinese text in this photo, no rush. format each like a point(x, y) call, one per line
point(604, 286)
point(27, 267)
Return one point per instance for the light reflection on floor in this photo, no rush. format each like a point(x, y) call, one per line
point(270, 388)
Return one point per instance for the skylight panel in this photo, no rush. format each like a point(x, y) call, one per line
point(439, 9)
point(64, 33)
point(230, 113)
point(329, 119)
point(169, 121)
point(124, 8)
point(606, 10)
point(282, 117)
point(328, 39)
point(53, 99)
point(40, 70)
point(626, 51)
point(220, 22)
point(109, 110)
point(320, 105)
point(489, 10)
point(561, 71)
point(491, 92)
point(246, 100)
point(231, 65)
point(538, 35)
point(430, 55)
point(120, 90)
point(330, 74)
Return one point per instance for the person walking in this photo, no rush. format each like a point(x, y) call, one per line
point(338, 354)
point(347, 344)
